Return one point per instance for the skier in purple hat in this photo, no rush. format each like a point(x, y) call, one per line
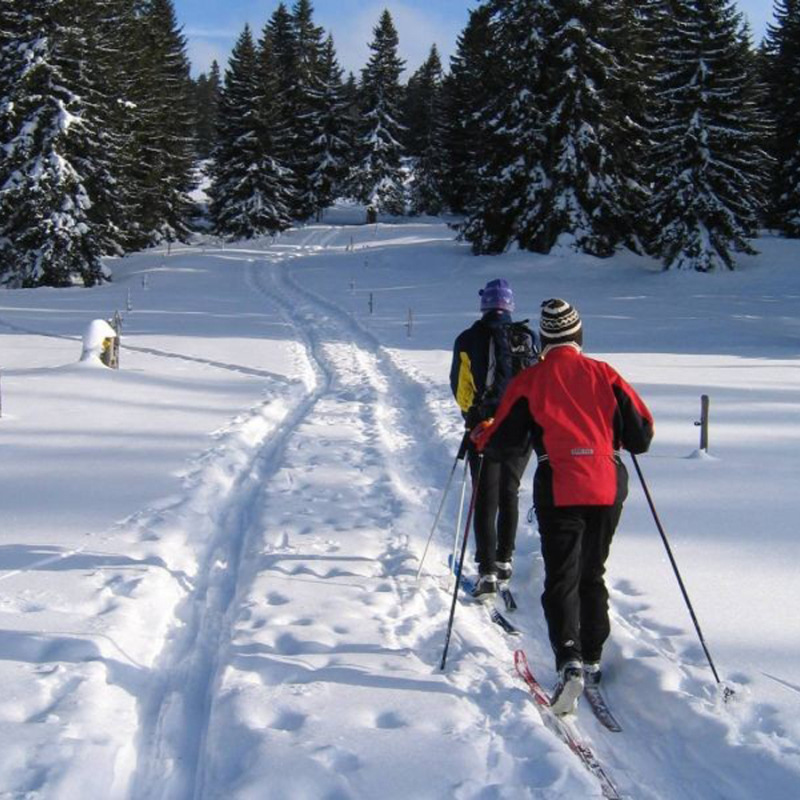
point(485, 358)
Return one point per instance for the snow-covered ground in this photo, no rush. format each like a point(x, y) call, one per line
point(208, 557)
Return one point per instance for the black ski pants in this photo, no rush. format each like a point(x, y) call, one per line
point(575, 545)
point(496, 508)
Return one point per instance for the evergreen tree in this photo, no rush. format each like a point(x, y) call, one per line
point(45, 205)
point(710, 167)
point(591, 188)
point(277, 49)
point(96, 65)
point(467, 91)
point(377, 180)
point(329, 152)
point(249, 194)
point(306, 102)
point(422, 94)
point(161, 155)
point(426, 129)
point(11, 33)
point(207, 91)
point(782, 73)
point(509, 200)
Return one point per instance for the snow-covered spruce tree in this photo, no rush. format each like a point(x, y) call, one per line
point(308, 115)
point(329, 151)
point(426, 135)
point(277, 49)
point(709, 163)
point(422, 94)
point(632, 34)
point(782, 57)
point(45, 224)
point(508, 203)
point(11, 27)
point(468, 88)
point(13, 35)
point(160, 137)
point(591, 188)
point(206, 110)
point(377, 178)
point(96, 68)
point(248, 193)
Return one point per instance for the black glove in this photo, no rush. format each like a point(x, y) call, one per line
point(475, 416)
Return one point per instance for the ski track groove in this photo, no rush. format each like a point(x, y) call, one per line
point(177, 712)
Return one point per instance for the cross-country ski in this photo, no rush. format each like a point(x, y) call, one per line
point(563, 729)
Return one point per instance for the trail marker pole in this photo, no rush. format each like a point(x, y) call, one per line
point(705, 403)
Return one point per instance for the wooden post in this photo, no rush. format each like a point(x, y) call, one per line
point(410, 322)
point(371, 303)
point(116, 324)
point(703, 422)
point(128, 303)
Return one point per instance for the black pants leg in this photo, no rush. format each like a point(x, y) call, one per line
point(511, 473)
point(575, 544)
point(601, 523)
point(484, 521)
point(496, 509)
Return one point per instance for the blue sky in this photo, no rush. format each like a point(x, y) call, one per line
point(211, 26)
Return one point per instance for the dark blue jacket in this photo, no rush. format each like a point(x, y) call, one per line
point(476, 363)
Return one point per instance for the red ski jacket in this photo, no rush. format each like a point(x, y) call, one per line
point(579, 412)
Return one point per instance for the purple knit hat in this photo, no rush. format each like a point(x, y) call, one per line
point(497, 295)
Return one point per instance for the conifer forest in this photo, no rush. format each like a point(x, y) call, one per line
point(654, 125)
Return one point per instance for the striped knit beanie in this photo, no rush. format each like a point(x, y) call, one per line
point(497, 294)
point(559, 322)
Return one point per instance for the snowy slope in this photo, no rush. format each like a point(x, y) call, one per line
point(208, 557)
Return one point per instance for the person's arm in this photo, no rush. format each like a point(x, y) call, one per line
point(511, 427)
point(462, 379)
point(636, 428)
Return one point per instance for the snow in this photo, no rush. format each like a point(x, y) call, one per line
point(94, 338)
point(208, 556)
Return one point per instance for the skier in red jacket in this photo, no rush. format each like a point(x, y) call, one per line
point(580, 413)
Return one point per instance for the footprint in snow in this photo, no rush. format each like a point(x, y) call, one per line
point(390, 720)
point(338, 760)
point(289, 721)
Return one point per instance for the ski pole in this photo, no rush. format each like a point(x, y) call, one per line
point(460, 514)
point(462, 450)
point(728, 690)
point(461, 560)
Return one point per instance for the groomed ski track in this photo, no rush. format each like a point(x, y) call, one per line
point(253, 650)
point(318, 536)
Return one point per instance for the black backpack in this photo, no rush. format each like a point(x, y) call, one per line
point(522, 343)
point(512, 348)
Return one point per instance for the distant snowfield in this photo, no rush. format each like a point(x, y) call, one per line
point(208, 557)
